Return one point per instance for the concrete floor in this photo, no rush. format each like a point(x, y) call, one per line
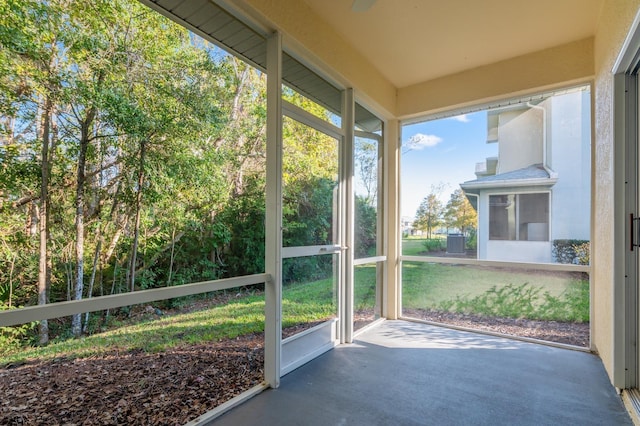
point(403, 373)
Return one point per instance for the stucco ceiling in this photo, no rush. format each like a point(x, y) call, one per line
point(411, 41)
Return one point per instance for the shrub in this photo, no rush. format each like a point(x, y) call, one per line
point(432, 244)
point(365, 232)
point(471, 241)
point(15, 337)
point(509, 301)
point(526, 301)
point(571, 251)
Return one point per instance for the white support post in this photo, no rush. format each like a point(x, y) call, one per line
point(381, 237)
point(348, 216)
point(392, 292)
point(273, 215)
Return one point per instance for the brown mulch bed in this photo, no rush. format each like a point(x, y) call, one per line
point(166, 388)
point(178, 385)
point(570, 333)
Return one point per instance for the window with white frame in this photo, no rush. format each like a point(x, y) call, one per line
point(519, 217)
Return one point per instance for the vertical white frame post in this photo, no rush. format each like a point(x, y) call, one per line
point(348, 216)
point(391, 294)
point(273, 214)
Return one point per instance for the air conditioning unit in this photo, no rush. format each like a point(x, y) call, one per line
point(455, 244)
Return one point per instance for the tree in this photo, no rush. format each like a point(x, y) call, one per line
point(132, 155)
point(429, 214)
point(366, 168)
point(31, 86)
point(459, 213)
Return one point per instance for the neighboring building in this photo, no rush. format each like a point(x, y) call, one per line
point(537, 189)
point(406, 225)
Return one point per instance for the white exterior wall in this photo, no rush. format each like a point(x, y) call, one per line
point(569, 155)
point(521, 144)
point(520, 251)
point(519, 139)
point(511, 251)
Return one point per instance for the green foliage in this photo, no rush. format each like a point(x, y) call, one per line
point(433, 244)
point(526, 301)
point(306, 269)
point(571, 251)
point(308, 301)
point(561, 296)
point(242, 314)
point(459, 213)
point(128, 78)
point(15, 337)
point(365, 228)
point(508, 301)
point(174, 135)
point(412, 246)
point(365, 284)
point(471, 241)
point(245, 215)
point(366, 168)
point(308, 220)
point(308, 213)
point(429, 214)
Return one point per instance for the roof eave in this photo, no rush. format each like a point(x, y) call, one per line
point(548, 182)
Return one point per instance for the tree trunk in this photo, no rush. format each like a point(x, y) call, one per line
point(113, 286)
point(68, 268)
point(43, 219)
point(173, 246)
point(136, 231)
point(13, 264)
point(85, 135)
point(96, 256)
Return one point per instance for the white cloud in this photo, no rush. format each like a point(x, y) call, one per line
point(420, 141)
point(461, 118)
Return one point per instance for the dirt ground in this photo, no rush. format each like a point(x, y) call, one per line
point(176, 386)
point(576, 334)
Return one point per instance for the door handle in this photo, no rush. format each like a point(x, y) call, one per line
point(634, 232)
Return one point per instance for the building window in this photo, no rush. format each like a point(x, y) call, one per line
point(519, 217)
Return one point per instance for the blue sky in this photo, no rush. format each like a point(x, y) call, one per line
point(441, 151)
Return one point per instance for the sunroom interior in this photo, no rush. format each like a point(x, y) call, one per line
point(375, 66)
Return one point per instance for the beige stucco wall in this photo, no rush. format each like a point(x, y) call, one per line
point(550, 68)
point(613, 26)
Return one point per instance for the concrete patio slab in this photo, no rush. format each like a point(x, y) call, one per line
point(405, 373)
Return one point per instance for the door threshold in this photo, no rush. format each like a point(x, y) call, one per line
point(631, 400)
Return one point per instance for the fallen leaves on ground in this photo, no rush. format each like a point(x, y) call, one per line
point(180, 384)
point(133, 388)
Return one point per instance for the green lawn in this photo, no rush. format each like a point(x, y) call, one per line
point(489, 291)
point(241, 316)
point(562, 296)
point(308, 302)
point(425, 286)
point(302, 303)
point(314, 301)
point(429, 284)
point(365, 287)
point(414, 246)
